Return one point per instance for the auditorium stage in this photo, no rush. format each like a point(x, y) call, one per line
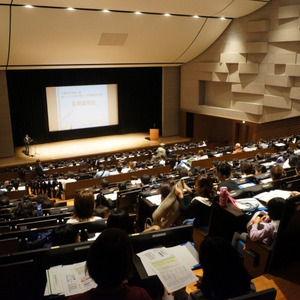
point(86, 147)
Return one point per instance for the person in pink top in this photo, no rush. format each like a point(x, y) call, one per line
point(265, 227)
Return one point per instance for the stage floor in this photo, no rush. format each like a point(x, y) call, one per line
point(86, 147)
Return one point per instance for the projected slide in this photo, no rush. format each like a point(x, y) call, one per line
point(76, 107)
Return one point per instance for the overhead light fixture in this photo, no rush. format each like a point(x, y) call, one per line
point(105, 10)
point(28, 6)
point(195, 16)
point(223, 18)
point(138, 13)
point(70, 8)
point(167, 15)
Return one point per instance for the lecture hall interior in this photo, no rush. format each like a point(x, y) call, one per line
point(93, 77)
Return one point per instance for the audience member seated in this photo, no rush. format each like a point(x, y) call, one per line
point(109, 263)
point(260, 169)
point(165, 214)
point(265, 226)
point(84, 207)
point(277, 172)
point(199, 207)
point(246, 168)
point(224, 276)
point(24, 209)
point(44, 201)
point(121, 219)
point(237, 148)
point(224, 176)
point(65, 234)
point(70, 178)
point(291, 161)
point(102, 172)
point(4, 201)
point(201, 155)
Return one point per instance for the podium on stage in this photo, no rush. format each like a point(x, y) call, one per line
point(154, 134)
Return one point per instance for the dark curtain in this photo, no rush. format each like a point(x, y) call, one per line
point(139, 100)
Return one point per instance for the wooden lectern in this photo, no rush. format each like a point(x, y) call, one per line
point(154, 134)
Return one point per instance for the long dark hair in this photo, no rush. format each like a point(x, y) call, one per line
point(206, 183)
point(223, 273)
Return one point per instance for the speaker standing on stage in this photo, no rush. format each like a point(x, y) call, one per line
point(27, 142)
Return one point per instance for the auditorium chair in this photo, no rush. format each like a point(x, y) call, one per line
point(268, 294)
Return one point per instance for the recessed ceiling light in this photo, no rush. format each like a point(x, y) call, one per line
point(167, 15)
point(70, 8)
point(138, 13)
point(29, 6)
point(105, 10)
point(195, 16)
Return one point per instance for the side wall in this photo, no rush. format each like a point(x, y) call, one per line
point(6, 139)
point(170, 101)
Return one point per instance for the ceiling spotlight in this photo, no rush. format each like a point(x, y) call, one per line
point(138, 13)
point(195, 16)
point(28, 6)
point(70, 8)
point(167, 15)
point(223, 18)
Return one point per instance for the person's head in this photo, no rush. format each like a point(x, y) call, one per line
point(246, 168)
point(183, 172)
point(204, 187)
point(165, 188)
point(145, 179)
point(120, 219)
point(84, 205)
point(4, 200)
point(237, 146)
point(24, 209)
point(277, 172)
point(224, 170)
point(260, 169)
point(109, 260)
point(259, 156)
point(201, 152)
point(70, 174)
point(293, 159)
point(122, 186)
point(104, 183)
point(65, 234)
point(275, 208)
point(217, 256)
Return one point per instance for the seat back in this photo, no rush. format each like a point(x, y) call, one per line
point(268, 294)
point(9, 245)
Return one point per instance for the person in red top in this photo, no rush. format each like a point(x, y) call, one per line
point(109, 263)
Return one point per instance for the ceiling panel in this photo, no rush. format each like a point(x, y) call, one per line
point(51, 36)
point(42, 34)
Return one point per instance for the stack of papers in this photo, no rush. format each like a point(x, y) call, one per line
point(173, 265)
point(68, 280)
point(154, 199)
point(266, 196)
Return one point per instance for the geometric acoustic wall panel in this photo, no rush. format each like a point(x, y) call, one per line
point(257, 59)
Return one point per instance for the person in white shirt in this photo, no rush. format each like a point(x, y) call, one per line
point(84, 208)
